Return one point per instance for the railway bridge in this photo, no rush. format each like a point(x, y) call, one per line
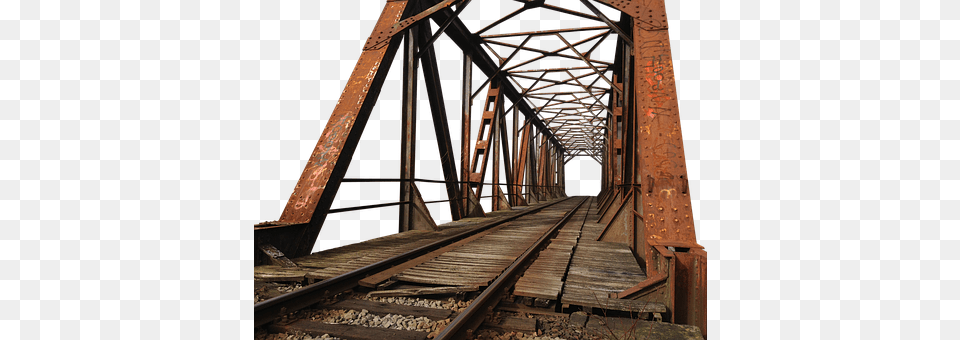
point(605, 90)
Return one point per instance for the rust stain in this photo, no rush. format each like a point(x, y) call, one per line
point(326, 155)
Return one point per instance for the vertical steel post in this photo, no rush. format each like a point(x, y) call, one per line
point(408, 134)
point(505, 151)
point(465, 130)
point(532, 172)
point(494, 144)
point(431, 78)
point(521, 169)
point(656, 168)
point(561, 175)
point(557, 163)
point(515, 197)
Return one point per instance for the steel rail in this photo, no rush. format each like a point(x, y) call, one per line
point(271, 309)
point(470, 318)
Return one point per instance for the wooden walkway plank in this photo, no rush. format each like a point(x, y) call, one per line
point(352, 332)
point(485, 258)
point(544, 278)
point(424, 291)
point(598, 268)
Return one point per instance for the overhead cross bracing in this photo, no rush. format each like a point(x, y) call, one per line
point(600, 86)
point(564, 74)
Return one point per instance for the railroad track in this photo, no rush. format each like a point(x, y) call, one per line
point(541, 259)
point(463, 326)
point(487, 259)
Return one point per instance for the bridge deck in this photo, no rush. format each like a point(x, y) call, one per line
point(573, 270)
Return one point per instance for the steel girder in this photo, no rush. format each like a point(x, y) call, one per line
point(648, 205)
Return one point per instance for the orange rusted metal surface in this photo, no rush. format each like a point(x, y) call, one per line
point(314, 192)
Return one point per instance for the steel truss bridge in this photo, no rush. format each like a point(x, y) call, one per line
point(605, 91)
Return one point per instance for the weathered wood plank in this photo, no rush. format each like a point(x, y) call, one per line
point(373, 280)
point(274, 273)
point(639, 329)
point(599, 301)
point(383, 308)
point(352, 332)
point(423, 291)
point(514, 324)
point(443, 281)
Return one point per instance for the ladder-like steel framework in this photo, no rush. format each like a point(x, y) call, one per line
point(621, 111)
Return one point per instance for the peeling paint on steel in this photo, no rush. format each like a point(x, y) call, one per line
point(314, 180)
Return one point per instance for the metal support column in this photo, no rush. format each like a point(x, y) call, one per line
point(431, 78)
point(408, 126)
point(466, 103)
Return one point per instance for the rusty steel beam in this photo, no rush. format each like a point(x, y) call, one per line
point(561, 175)
point(543, 169)
point(514, 188)
point(471, 205)
point(515, 198)
point(521, 157)
point(532, 172)
point(408, 128)
point(296, 231)
point(556, 52)
point(431, 78)
point(489, 122)
point(505, 18)
point(568, 11)
point(494, 144)
point(589, 63)
point(660, 167)
point(653, 210)
point(597, 44)
point(505, 145)
point(386, 33)
point(430, 39)
point(470, 43)
point(623, 35)
point(465, 128)
point(505, 152)
point(503, 63)
point(545, 32)
point(543, 53)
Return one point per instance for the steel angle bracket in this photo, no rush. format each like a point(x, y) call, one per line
point(647, 18)
point(381, 38)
